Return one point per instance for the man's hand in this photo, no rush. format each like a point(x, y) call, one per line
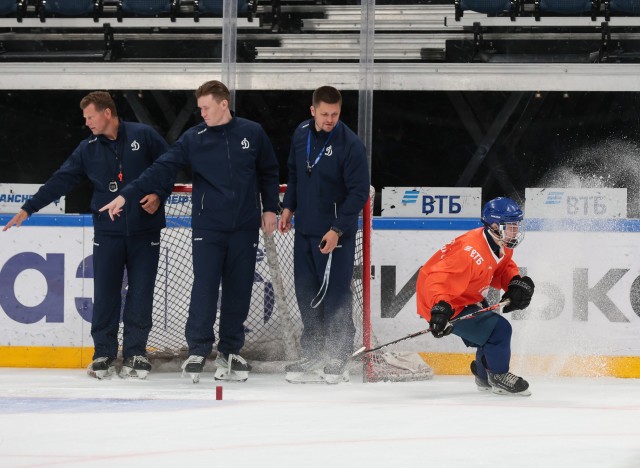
point(439, 323)
point(329, 242)
point(519, 293)
point(284, 225)
point(16, 220)
point(114, 207)
point(268, 222)
point(150, 203)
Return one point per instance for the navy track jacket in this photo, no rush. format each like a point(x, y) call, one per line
point(136, 146)
point(233, 167)
point(337, 188)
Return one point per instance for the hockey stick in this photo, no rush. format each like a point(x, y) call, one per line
point(364, 350)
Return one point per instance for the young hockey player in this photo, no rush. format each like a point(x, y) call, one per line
point(455, 282)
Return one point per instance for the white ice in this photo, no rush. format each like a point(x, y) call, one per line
point(61, 417)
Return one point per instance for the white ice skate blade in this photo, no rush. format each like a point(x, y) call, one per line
point(499, 391)
point(305, 377)
point(102, 374)
point(333, 379)
point(223, 373)
point(133, 374)
point(195, 377)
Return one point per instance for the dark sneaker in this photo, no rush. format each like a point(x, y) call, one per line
point(137, 367)
point(232, 367)
point(101, 368)
point(482, 384)
point(508, 384)
point(193, 366)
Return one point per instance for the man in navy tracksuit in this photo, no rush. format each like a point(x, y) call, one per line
point(235, 171)
point(115, 154)
point(327, 188)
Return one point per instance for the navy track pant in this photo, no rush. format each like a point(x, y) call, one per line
point(490, 333)
point(111, 255)
point(329, 327)
point(227, 258)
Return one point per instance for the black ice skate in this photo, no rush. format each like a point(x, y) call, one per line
point(482, 384)
point(101, 368)
point(336, 371)
point(305, 370)
point(193, 366)
point(508, 384)
point(231, 367)
point(135, 367)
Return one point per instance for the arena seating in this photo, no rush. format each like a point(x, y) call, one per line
point(490, 7)
point(567, 7)
point(303, 30)
point(13, 8)
point(69, 8)
point(623, 7)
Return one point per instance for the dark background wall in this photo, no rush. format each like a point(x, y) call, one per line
point(419, 138)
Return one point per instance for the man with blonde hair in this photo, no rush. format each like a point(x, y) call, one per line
point(235, 192)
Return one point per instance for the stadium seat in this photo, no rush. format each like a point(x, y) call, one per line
point(567, 7)
point(16, 8)
point(72, 8)
point(490, 7)
point(148, 8)
point(246, 8)
point(624, 7)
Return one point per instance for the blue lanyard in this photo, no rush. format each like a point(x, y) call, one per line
point(311, 166)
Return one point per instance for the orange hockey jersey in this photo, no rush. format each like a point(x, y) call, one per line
point(461, 272)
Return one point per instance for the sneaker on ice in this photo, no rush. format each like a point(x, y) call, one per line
point(232, 367)
point(102, 367)
point(508, 384)
point(305, 370)
point(193, 366)
point(336, 371)
point(137, 367)
point(482, 384)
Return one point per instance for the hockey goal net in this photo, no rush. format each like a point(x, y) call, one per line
point(273, 327)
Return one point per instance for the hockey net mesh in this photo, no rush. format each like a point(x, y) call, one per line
point(273, 327)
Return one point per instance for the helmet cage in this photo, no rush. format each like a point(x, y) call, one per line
point(507, 215)
point(511, 234)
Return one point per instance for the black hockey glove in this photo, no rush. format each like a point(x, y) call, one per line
point(439, 323)
point(519, 293)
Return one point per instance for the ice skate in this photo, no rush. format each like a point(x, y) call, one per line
point(231, 367)
point(101, 368)
point(193, 366)
point(305, 370)
point(135, 367)
point(336, 371)
point(508, 384)
point(482, 384)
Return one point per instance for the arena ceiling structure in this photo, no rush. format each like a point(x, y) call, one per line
point(482, 89)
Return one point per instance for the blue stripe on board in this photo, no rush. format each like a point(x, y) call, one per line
point(400, 224)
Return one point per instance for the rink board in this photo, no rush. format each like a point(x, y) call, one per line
point(584, 318)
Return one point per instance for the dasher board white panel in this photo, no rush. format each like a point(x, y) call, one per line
point(431, 202)
point(589, 203)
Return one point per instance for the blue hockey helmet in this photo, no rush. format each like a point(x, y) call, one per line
point(507, 215)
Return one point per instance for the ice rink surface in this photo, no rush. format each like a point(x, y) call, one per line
point(61, 417)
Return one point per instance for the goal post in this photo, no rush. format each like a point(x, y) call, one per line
point(273, 326)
